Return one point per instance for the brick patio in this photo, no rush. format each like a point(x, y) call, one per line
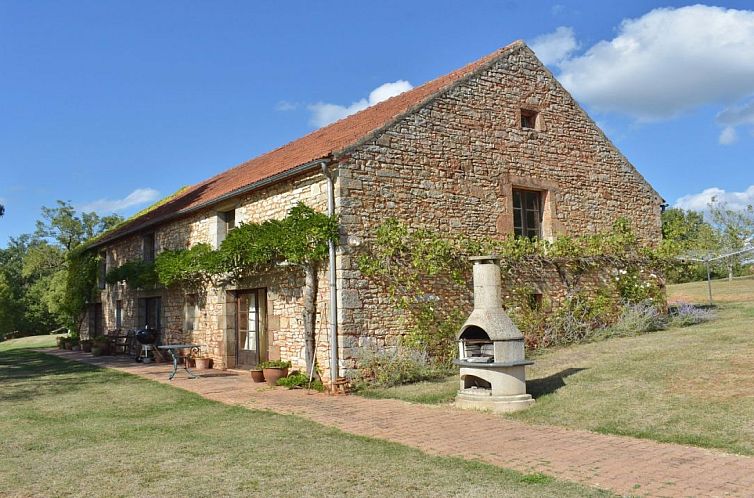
point(621, 464)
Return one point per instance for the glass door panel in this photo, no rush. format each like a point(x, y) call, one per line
point(250, 328)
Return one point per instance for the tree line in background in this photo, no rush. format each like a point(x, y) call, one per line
point(36, 268)
point(690, 236)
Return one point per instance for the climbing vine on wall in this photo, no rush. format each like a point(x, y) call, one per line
point(420, 268)
point(137, 274)
point(301, 239)
point(81, 280)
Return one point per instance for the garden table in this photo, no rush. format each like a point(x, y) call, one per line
point(173, 350)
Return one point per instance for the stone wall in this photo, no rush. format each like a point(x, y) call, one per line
point(215, 317)
point(451, 167)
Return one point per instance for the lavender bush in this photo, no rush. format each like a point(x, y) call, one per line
point(685, 314)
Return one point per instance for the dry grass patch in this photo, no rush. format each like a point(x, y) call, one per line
point(738, 290)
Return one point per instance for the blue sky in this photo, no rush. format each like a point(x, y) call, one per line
point(111, 104)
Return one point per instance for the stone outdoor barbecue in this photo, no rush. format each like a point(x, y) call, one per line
point(495, 148)
point(491, 348)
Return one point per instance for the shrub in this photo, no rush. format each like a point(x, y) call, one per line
point(684, 314)
point(395, 366)
point(638, 318)
point(275, 364)
point(572, 321)
point(300, 380)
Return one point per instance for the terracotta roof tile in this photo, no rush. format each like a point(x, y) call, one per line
point(316, 145)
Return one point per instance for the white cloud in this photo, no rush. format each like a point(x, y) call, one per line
point(700, 201)
point(666, 62)
point(737, 115)
point(728, 136)
point(285, 105)
point(324, 113)
point(135, 198)
point(554, 47)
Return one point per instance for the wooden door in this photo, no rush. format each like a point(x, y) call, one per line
point(251, 330)
point(96, 321)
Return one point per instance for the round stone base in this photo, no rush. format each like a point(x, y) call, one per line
point(478, 399)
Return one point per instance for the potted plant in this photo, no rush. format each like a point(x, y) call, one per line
point(202, 362)
point(257, 374)
point(61, 341)
point(100, 346)
point(275, 369)
point(86, 346)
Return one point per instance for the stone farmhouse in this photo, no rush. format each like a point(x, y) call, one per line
point(494, 148)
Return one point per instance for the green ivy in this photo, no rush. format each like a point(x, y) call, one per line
point(137, 274)
point(301, 238)
point(190, 268)
point(81, 282)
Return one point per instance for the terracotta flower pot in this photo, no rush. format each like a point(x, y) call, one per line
point(271, 375)
point(86, 346)
point(203, 363)
point(257, 375)
point(98, 351)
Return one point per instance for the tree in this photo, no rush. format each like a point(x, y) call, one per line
point(688, 230)
point(735, 230)
point(62, 225)
point(34, 270)
point(306, 244)
point(686, 233)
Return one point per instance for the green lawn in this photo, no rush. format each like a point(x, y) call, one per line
point(35, 341)
point(692, 385)
point(69, 429)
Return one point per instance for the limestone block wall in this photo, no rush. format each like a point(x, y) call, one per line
point(452, 165)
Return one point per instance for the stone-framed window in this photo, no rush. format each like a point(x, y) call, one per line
point(527, 213)
point(529, 119)
point(548, 190)
point(229, 218)
point(190, 312)
point(148, 246)
point(225, 221)
point(118, 314)
point(102, 270)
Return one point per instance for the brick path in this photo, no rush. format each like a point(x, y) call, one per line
point(624, 465)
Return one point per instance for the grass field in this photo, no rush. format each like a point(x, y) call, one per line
point(692, 385)
point(69, 429)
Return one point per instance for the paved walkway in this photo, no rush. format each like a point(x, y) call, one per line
point(624, 465)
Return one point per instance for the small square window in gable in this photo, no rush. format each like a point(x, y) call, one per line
point(529, 119)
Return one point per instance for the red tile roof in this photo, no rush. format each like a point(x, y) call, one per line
point(319, 144)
